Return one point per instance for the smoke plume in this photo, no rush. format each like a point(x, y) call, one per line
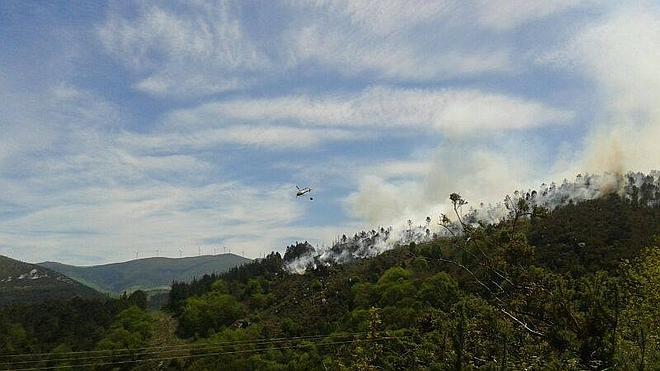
point(637, 187)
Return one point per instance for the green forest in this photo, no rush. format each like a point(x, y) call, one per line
point(575, 288)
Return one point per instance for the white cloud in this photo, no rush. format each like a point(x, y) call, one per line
point(392, 40)
point(452, 112)
point(58, 119)
point(276, 138)
point(403, 40)
point(77, 179)
point(190, 49)
point(504, 15)
point(386, 16)
point(403, 169)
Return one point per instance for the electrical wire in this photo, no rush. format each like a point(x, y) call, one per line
point(205, 354)
point(170, 346)
point(186, 349)
point(196, 348)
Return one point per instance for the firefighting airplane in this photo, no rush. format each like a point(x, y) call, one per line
point(302, 191)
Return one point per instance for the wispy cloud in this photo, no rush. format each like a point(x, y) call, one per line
point(503, 15)
point(392, 40)
point(186, 49)
point(453, 112)
point(192, 49)
point(273, 138)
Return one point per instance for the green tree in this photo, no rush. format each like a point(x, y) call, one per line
point(640, 333)
point(440, 291)
point(205, 315)
point(139, 299)
point(131, 329)
point(395, 285)
point(220, 286)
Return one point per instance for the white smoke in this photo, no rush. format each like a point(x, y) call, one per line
point(478, 174)
point(620, 53)
point(359, 246)
point(638, 187)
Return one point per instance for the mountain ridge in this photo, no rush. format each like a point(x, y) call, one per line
point(146, 273)
point(23, 283)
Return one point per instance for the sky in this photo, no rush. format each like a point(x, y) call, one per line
point(144, 128)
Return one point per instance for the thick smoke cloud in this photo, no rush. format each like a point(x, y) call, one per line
point(479, 174)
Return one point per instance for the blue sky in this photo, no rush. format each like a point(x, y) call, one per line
point(140, 126)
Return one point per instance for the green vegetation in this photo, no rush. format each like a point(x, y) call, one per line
point(570, 289)
point(575, 288)
point(51, 326)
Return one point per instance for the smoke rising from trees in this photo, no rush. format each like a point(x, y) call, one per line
point(638, 188)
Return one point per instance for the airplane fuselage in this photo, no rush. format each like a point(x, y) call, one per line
point(303, 191)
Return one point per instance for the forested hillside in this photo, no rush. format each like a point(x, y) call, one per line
point(572, 288)
point(576, 287)
point(22, 282)
point(30, 335)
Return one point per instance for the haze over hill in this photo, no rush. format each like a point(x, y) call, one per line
point(22, 282)
point(148, 273)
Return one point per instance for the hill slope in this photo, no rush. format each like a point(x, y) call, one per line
point(146, 274)
point(22, 282)
point(569, 289)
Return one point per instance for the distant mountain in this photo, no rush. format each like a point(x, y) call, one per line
point(22, 282)
point(147, 274)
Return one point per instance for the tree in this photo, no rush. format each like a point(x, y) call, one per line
point(210, 313)
point(440, 291)
point(297, 250)
point(139, 299)
point(640, 333)
point(131, 329)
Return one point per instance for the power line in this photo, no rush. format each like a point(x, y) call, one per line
point(180, 348)
point(204, 348)
point(207, 354)
point(236, 342)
